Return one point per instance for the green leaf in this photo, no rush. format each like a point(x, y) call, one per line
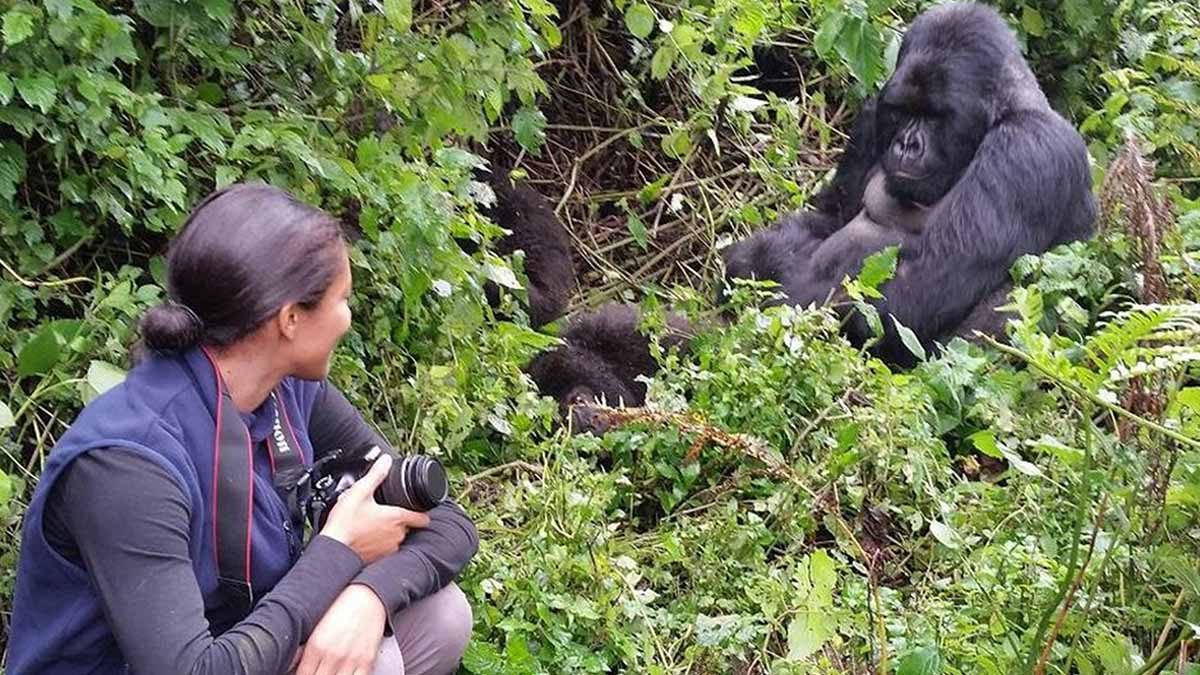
point(677, 143)
point(60, 8)
point(6, 89)
point(18, 25)
point(944, 534)
point(1033, 22)
point(399, 14)
point(861, 46)
point(103, 376)
point(985, 442)
point(806, 633)
point(847, 435)
point(12, 168)
point(637, 229)
point(663, 59)
point(878, 268)
point(38, 91)
point(40, 354)
point(226, 175)
point(871, 315)
point(921, 661)
point(529, 126)
point(483, 657)
point(6, 416)
point(824, 576)
point(517, 655)
point(685, 35)
point(7, 488)
point(910, 340)
point(1021, 464)
point(827, 35)
point(502, 276)
point(751, 20)
point(639, 19)
point(1189, 397)
point(43, 352)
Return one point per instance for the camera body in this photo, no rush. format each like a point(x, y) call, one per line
point(415, 482)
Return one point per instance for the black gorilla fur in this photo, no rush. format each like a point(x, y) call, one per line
point(601, 358)
point(535, 230)
point(962, 131)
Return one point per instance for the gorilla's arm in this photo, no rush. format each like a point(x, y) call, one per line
point(842, 198)
point(775, 254)
point(770, 255)
point(1028, 188)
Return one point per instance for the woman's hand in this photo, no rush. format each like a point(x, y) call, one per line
point(346, 639)
point(370, 529)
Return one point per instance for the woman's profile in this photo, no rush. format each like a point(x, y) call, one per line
point(166, 534)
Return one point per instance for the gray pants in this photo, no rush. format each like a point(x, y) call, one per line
point(429, 637)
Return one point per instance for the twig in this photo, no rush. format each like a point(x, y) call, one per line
point(46, 284)
point(587, 155)
point(1040, 669)
point(1166, 631)
point(516, 464)
point(61, 257)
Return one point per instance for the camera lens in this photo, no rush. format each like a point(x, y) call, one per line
point(416, 482)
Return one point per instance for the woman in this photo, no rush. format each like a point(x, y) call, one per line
point(130, 559)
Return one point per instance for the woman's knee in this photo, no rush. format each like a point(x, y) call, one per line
point(454, 618)
point(454, 615)
point(433, 634)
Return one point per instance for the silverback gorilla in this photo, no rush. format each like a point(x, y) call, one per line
point(980, 170)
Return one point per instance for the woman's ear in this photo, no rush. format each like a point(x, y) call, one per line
point(288, 320)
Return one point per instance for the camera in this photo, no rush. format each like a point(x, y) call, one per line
point(415, 482)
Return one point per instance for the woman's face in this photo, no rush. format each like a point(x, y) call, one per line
point(319, 328)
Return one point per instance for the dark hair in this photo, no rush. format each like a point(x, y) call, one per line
point(244, 252)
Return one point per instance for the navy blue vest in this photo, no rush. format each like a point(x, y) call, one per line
point(164, 410)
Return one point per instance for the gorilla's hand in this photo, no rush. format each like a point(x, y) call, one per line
point(768, 255)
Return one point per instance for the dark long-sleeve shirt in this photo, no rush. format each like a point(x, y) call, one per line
point(125, 520)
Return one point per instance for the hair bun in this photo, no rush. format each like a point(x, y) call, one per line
point(171, 327)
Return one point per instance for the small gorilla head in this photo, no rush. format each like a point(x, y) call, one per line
point(578, 378)
point(602, 357)
point(939, 104)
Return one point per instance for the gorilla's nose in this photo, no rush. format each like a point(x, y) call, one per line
point(910, 144)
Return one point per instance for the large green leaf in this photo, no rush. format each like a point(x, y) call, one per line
point(878, 268)
point(921, 661)
point(39, 91)
point(38, 355)
point(399, 14)
point(910, 340)
point(861, 46)
point(101, 376)
point(639, 19)
point(18, 25)
point(529, 126)
point(43, 352)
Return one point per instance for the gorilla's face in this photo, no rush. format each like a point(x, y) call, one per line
point(579, 405)
point(931, 120)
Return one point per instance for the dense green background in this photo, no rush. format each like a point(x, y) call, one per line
point(923, 522)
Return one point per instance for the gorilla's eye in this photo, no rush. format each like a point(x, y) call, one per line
point(581, 396)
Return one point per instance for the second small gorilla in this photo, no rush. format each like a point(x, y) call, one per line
point(534, 229)
point(962, 133)
point(602, 355)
